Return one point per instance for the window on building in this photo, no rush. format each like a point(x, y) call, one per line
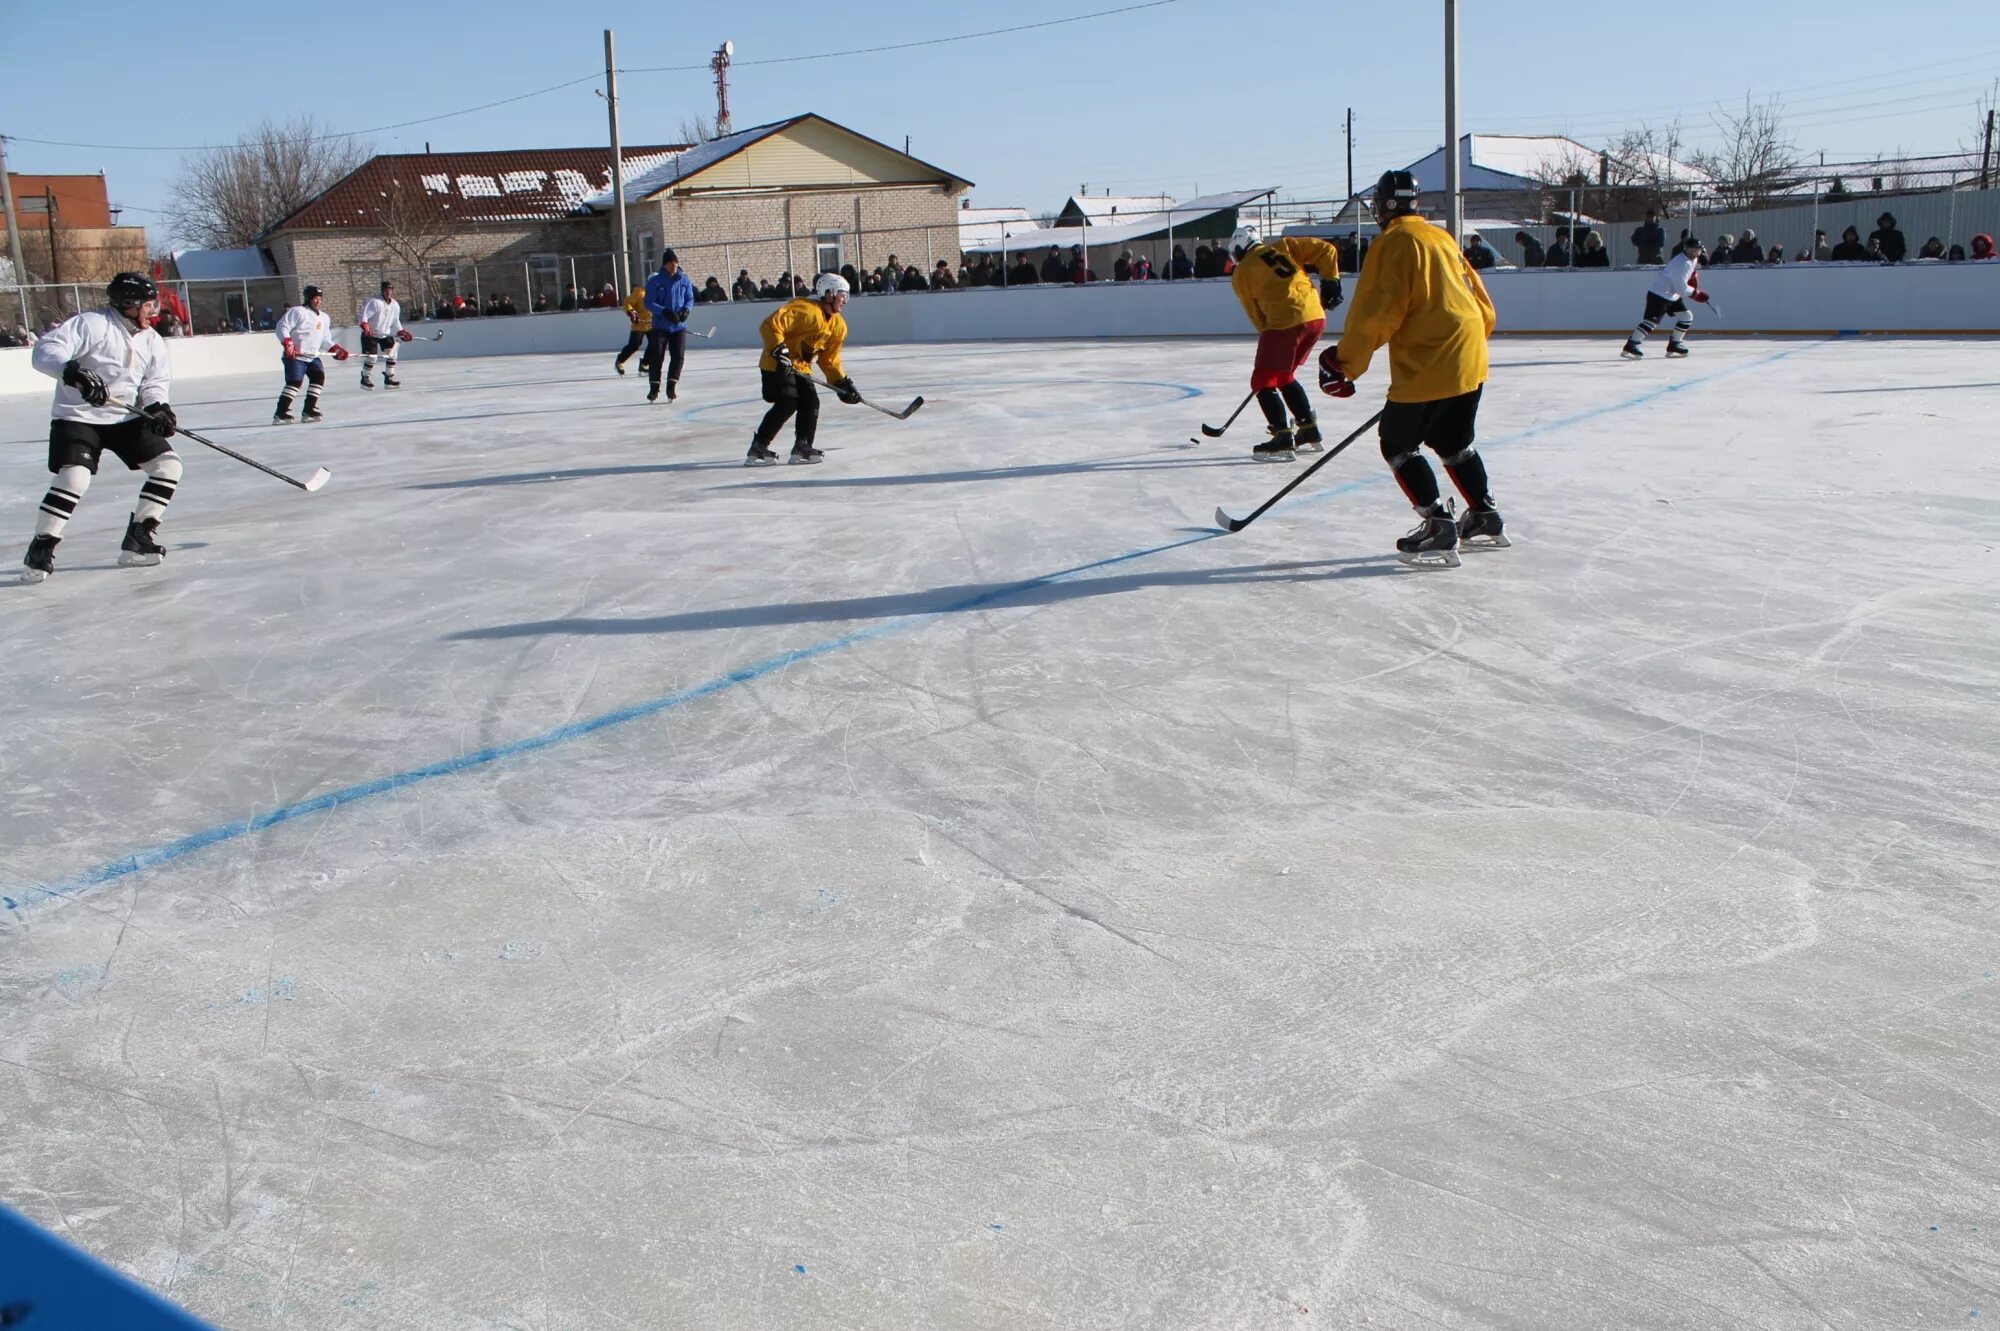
point(649, 251)
point(827, 246)
point(544, 281)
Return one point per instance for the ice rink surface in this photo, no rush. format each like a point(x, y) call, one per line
point(953, 887)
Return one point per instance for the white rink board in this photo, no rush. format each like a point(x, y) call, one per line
point(969, 894)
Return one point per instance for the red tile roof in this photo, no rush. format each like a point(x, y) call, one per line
point(525, 185)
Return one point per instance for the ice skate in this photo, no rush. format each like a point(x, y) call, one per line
point(1307, 438)
point(1632, 350)
point(1482, 529)
point(653, 393)
point(41, 560)
point(389, 379)
point(1278, 448)
point(367, 379)
point(672, 384)
point(309, 415)
point(1676, 349)
point(284, 418)
point(1433, 542)
point(618, 365)
point(760, 456)
point(140, 549)
point(803, 454)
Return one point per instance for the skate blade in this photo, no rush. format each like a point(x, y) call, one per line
point(1500, 542)
point(1311, 448)
point(130, 559)
point(1275, 457)
point(1431, 559)
point(796, 461)
point(33, 575)
point(760, 462)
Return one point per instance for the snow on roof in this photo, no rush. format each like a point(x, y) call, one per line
point(1107, 205)
point(673, 166)
point(1139, 227)
point(219, 265)
point(978, 226)
point(511, 185)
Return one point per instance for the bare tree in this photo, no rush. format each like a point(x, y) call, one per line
point(415, 226)
point(697, 128)
point(1757, 161)
point(227, 197)
point(1977, 159)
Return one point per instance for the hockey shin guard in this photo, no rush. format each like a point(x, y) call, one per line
point(1468, 472)
point(163, 477)
point(59, 504)
point(1419, 482)
point(1682, 324)
point(367, 363)
point(286, 398)
point(1272, 404)
point(1295, 397)
point(312, 399)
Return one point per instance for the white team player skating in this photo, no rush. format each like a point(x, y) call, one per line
point(381, 328)
point(1677, 284)
point(111, 364)
point(304, 333)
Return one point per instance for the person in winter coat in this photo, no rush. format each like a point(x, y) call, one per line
point(1022, 274)
point(1894, 248)
point(1142, 268)
point(1650, 239)
point(642, 324)
point(941, 278)
point(913, 280)
point(1850, 249)
point(1725, 251)
point(669, 299)
point(1593, 254)
point(1747, 249)
point(1932, 249)
point(1053, 268)
point(712, 292)
point(743, 288)
point(1982, 246)
point(1558, 255)
point(1479, 254)
point(1180, 267)
point(1532, 254)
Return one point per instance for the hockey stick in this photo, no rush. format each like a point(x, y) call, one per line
point(1216, 432)
point(709, 333)
point(902, 415)
point(1713, 308)
point(309, 484)
point(1229, 524)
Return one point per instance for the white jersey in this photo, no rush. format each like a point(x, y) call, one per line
point(1677, 280)
point(308, 330)
point(382, 318)
point(131, 362)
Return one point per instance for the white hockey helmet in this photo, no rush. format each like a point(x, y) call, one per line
point(830, 284)
point(1246, 236)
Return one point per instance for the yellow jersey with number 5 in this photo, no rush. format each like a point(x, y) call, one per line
point(1272, 282)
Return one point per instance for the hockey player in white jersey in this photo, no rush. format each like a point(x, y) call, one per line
point(304, 333)
point(106, 359)
point(1677, 284)
point(381, 328)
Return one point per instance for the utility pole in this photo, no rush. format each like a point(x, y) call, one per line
point(13, 221)
point(621, 268)
point(1987, 152)
point(1350, 153)
point(49, 209)
point(1454, 195)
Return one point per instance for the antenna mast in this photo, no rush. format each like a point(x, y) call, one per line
point(720, 64)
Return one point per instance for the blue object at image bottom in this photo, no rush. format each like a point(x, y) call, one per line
point(49, 1285)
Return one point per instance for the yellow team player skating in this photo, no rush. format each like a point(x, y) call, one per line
point(800, 333)
point(642, 324)
point(1273, 280)
point(1418, 296)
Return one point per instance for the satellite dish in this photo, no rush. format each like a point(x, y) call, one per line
point(728, 49)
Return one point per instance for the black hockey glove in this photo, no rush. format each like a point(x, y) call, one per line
point(678, 316)
point(1330, 294)
point(160, 420)
point(782, 355)
point(84, 382)
point(844, 389)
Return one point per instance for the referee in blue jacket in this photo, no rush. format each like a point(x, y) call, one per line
point(669, 298)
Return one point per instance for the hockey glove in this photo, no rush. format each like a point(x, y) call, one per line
point(1333, 380)
point(1700, 296)
point(1330, 294)
point(781, 356)
point(337, 351)
point(844, 389)
point(88, 386)
point(678, 316)
point(291, 349)
point(160, 419)
point(403, 335)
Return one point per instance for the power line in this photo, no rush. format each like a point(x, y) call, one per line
point(905, 46)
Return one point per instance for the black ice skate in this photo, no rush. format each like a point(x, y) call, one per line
point(1278, 448)
point(1677, 349)
point(653, 393)
point(671, 386)
point(760, 456)
point(284, 417)
point(41, 560)
point(1433, 542)
point(140, 549)
point(1307, 437)
point(804, 454)
point(367, 379)
point(1632, 350)
point(1482, 529)
point(618, 364)
point(389, 379)
point(310, 414)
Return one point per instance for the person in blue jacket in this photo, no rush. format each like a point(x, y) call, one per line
point(669, 298)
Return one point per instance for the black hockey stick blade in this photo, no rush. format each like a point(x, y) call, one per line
point(1217, 431)
point(1229, 524)
point(309, 485)
point(902, 415)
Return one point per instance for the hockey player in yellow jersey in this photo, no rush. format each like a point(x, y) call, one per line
point(801, 332)
point(642, 324)
point(1274, 281)
point(1419, 297)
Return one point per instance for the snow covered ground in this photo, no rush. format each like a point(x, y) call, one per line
point(953, 887)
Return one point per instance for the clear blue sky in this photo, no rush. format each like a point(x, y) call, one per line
point(1214, 93)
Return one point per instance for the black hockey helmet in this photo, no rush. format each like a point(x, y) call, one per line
point(1690, 243)
point(129, 289)
point(1395, 195)
point(306, 296)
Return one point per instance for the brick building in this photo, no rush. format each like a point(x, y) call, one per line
point(803, 195)
point(68, 230)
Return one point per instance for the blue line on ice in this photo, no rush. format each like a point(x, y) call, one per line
point(188, 845)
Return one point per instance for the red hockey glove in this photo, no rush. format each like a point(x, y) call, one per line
point(403, 335)
point(1333, 380)
point(291, 350)
point(338, 352)
point(1701, 296)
